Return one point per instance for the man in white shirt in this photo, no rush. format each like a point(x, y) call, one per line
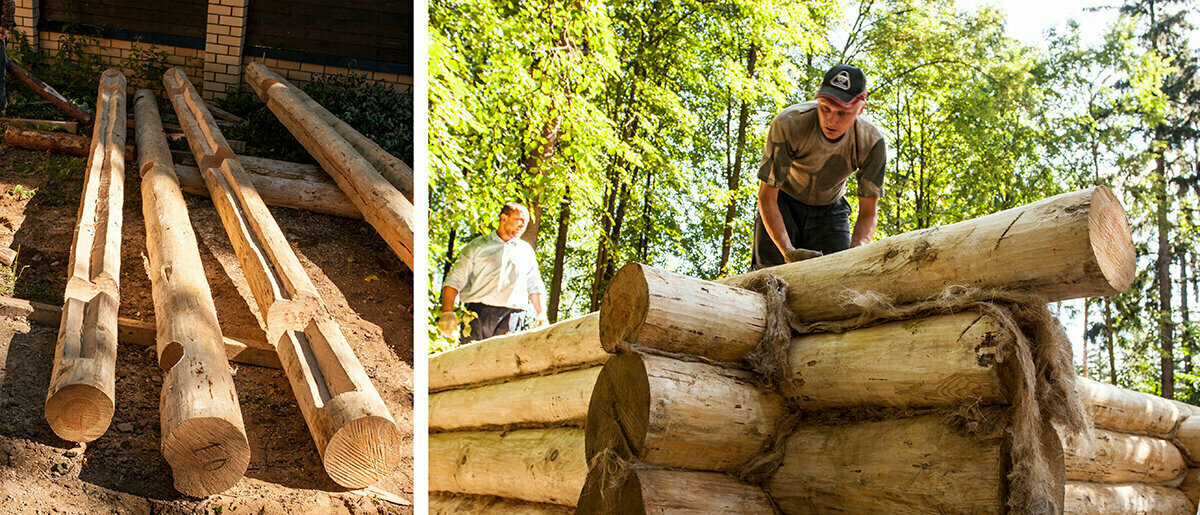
point(496, 275)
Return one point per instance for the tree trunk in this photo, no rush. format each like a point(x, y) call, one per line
point(203, 437)
point(1108, 334)
point(49, 93)
point(536, 465)
point(679, 414)
point(1085, 232)
point(608, 242)
point(80, 402)
point(1083, 497)
point(1084, 366)
point(555, 399)
point(653, 491)
point(1124, 458)
point(1127, 410)
point(571, 344)
point(382, 204)
point(533, 165)
point(56, 142)
point(560, 256)
point(1165, 326)
point(735, 175)
point(449, 254)
point(1186, 333)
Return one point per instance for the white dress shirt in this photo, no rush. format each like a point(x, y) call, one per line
point(496, 272)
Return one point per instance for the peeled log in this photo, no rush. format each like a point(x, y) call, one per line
point(935, 361)
point(389, 166)
point(538, 465)
point(49, 93)
point(912, 465)
point(203, 437)
point(80, 401)
point(352, 428)
point(1126, 410)
point(682, 414)
point(447, 504)
point(569, 344)
point(655, 308)
point(381, 203)
point(651, 490)
point(278, 187)
point(555, 399)
point(1137, 498)
point(1191, 486)
point(1065, 247)
point(1188, 437)
point(57, 142)
point(1124, 458)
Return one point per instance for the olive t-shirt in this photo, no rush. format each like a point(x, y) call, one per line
point(800, 161)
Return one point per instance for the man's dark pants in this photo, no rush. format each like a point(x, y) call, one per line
point(491, 321)
point(823, 228)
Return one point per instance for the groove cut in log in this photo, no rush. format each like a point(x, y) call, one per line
point(911, 465)
point(49, 93)
point(650, 490)
point(381, 203)
point(203, 436)
point(567, 345)
point(655, 308)
point(1126, 410)
point(81, 397)
point(1064, 247)
point(681, 414)
point(555, 399)
point(280, 189)
point(56, 142)
point(352, 428)
point(458, 504)
point(536, 465)
point(935, 361)
point(1124, 458)
point(1137, 498)
point(389, 166)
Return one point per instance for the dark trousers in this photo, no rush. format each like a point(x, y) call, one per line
point(3, 71)
point(491, 321)
point(823, 228)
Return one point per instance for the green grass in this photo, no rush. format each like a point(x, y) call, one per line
point(22, 192)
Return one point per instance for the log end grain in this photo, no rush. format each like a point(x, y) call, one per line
point(624, 307)
point(79, 412)
point(363, 452)
point(1112, 241)
point(208, 455)
point(605, 493)
point(619, 409)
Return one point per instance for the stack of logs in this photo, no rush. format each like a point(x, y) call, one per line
point(878, 417)
point(506, 419)
point(1138, 461)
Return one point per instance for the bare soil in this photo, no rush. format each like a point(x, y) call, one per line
point(368, 288)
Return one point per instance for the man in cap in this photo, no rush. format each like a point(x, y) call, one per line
point(497, 275)
point(811, 149)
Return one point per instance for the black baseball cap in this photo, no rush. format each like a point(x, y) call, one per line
point(844, 84)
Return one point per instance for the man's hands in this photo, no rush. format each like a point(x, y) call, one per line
point(793, 255)
point(447, 323)
point(542, 320)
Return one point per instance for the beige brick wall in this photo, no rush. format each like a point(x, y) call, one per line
point(113, 52)
point(27, 14)
point(301, 73)
point(223, 44)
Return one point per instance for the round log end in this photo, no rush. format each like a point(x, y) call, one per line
point(624, 307)
point(619, 409)
point(79, 412)
point(208, 455)
point(363, 452)
point(611, 492)
point(1112, 241)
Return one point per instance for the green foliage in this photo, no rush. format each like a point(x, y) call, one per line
point(22, 192)
point(145, 66)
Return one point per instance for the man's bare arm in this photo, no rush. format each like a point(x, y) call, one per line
point(449, 295)
point(768, 208)
point(865, 223)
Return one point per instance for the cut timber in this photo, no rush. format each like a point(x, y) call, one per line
point(1065, 247)
point(80, 401)
point(570, 344)
point(1127, 410)
point(49, 93)
point(1124, 458)
point(381, 203)
point(1191, 486)
point(1186, 409)
point(389, 166)
point(57, 142)
point(203, 437)
point(682, 414)
point(655, 308)
point(555, 399)
point(279, 188)
point(456, 504)
point(355, 434)
point(1188, 437)
point(651, 490)
point(912, 465)
point(936, 361)
point(7, 256)
point(1126, 498)
point(71, 127)
point(139, 332)
point(538, 465)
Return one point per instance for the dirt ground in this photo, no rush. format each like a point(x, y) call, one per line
point(368, 288)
